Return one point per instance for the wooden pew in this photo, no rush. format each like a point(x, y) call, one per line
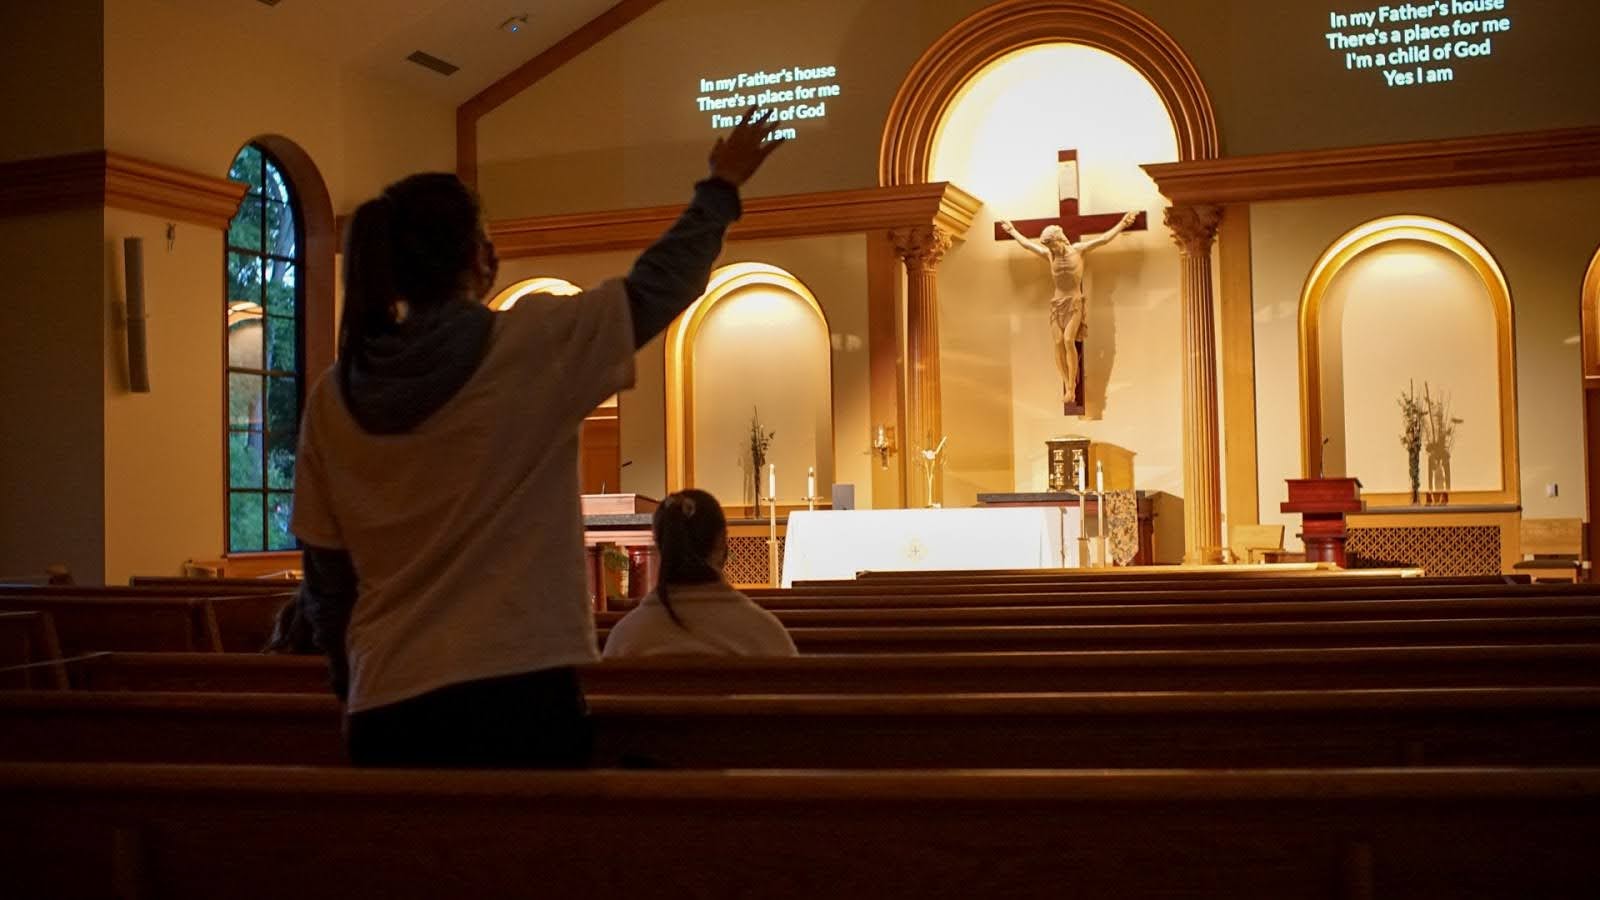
point(1133, 578)
point(1197, 610)
point(91, 620)
point(1228, 729)
point(85, 623)
point(1124, 595)
point(30, 653)
point(246, 833)
point(220, 585)
point(1197, 636)
point(912, 673)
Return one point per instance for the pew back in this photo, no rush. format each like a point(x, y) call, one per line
point(183, 832)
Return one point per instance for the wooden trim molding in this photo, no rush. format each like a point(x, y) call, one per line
point(1524, 156)
point(102, 178)
point(1454, 240)
point(934, 82)
point(531, 72)
point(793, 215)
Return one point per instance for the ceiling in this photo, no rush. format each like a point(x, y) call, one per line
point(374, 37)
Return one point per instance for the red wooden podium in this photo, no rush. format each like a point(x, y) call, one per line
point(1322, 504)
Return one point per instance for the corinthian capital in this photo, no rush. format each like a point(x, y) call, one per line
point(1194, 228)
point(922, 247)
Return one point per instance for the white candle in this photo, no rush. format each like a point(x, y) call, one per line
point(772, 481)
point(811, 483)
point(1099, 477)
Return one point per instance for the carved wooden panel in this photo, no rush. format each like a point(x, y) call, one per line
point(1438, 549)
point(747, 560)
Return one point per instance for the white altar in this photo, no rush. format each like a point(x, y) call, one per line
point(827, 545)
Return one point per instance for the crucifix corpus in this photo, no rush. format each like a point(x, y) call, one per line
point(1059, 240)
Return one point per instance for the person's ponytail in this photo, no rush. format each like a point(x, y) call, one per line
point(687, 528)
point(370, 291)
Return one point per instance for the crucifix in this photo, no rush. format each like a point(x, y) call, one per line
point(1059, 240)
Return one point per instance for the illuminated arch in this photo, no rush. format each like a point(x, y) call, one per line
point(725, 282)
point(936, 80)
point(1464, 246)
point(544, 284)
point(1591, 323)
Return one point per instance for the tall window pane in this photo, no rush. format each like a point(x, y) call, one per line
point(264, 311)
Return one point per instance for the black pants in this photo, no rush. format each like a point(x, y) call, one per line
point(537, 720)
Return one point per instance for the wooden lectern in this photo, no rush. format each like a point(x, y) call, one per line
point(1322, 504)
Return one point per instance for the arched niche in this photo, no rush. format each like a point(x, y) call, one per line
point(1591, 323)
point(600, 439)
point(1001, 387)
point(757, 339)
point(993, 32)
point(1387, 303)
point(321, 248)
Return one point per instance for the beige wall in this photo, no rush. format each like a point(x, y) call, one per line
point(51, 98)
point(1409, 316)
point(761, 348)
point(163, 449)
point(187, 91)
point(617, 127)
point(1541, 234)
point(51, 445)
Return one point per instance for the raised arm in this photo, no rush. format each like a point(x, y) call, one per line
point(1109, 236)
point(1032, 245)
point(674, 271)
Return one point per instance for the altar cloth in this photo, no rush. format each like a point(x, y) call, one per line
point(829, 544)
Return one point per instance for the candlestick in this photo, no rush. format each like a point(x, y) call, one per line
point(772, 512)
point(811, 488)
point(1099, 477)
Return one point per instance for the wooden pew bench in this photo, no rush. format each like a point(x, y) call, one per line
point(203, 832)
point(85, 624)
point(1444, 726)
point(30, 653)
point(1200, 610)
point(875, 597)
point(913, 673)
point(92, 620)
point(1197, 636)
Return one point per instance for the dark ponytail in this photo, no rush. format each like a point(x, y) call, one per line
point(415, 243)
point(690, 529)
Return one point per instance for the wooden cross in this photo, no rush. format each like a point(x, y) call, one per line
point(1076, 225)
point(1071, 221)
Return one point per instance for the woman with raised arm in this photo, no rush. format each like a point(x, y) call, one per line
point(436, 493)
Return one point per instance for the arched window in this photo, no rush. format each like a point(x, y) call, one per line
point(265, 302)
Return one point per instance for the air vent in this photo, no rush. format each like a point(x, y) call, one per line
point(429, 61)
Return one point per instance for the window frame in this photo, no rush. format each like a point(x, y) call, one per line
point(296, 219)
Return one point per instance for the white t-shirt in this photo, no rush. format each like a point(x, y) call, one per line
point(717, 620)
point(467, 532)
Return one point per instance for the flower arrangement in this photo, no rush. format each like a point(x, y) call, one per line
point(760, 443)
point(1413, 415)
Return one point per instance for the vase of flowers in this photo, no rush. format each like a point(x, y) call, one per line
point(1413, 415)
point(760, 443)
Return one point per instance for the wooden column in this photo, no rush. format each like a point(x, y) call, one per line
point(922, 249)
point(1194, 228)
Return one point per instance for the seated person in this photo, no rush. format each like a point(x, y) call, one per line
point(693, 610)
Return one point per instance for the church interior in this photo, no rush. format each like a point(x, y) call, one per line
point(1169, 431)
